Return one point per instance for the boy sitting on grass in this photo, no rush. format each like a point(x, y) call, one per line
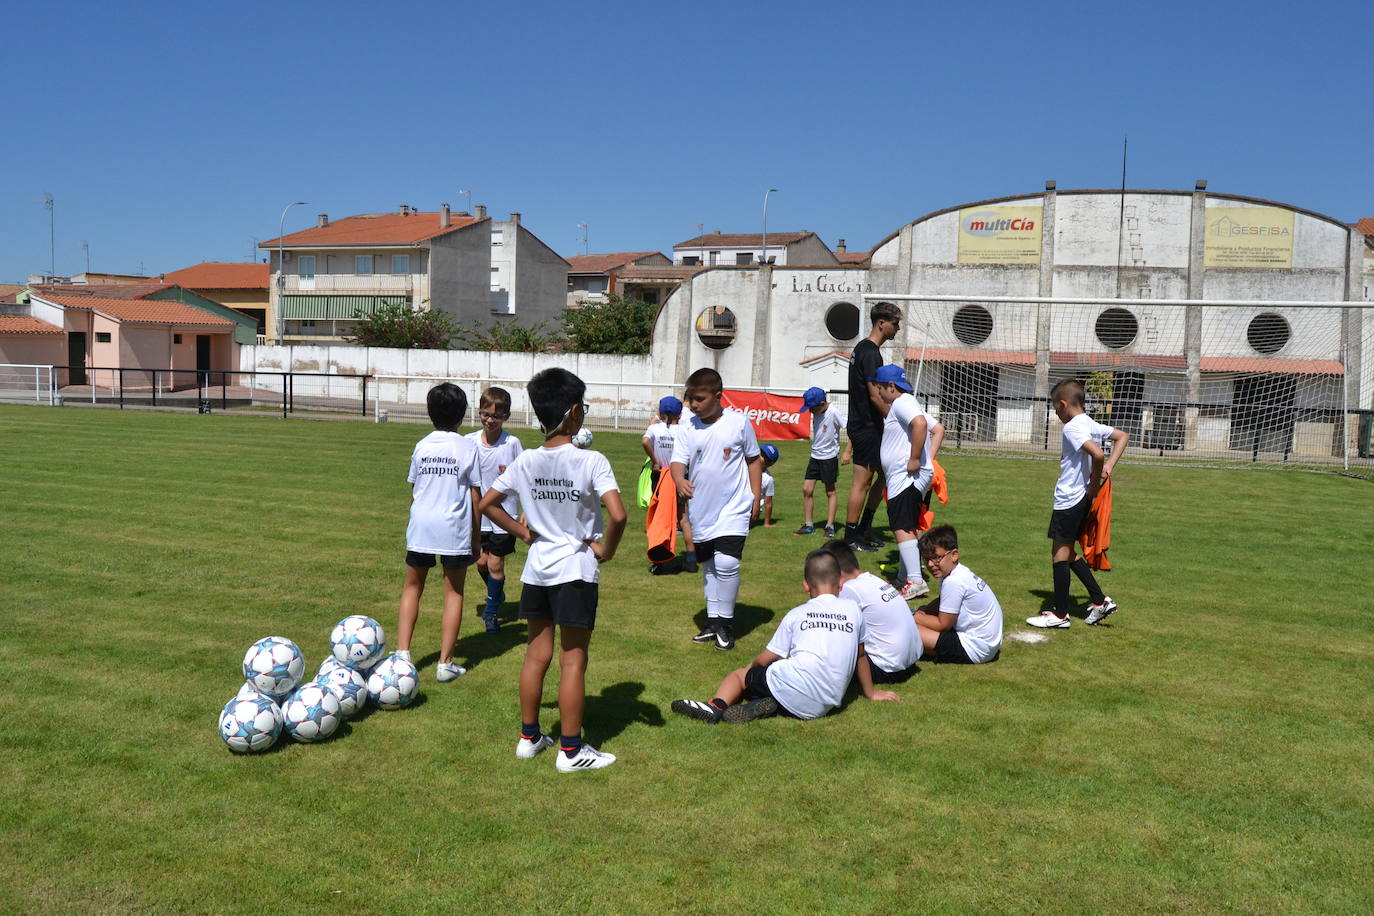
point(964, 625)
point(892, 646)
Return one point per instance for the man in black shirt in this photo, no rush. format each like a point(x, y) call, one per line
point(865, 426)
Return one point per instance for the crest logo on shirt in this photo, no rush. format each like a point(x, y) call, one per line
point(727, 450)
point(500, 469)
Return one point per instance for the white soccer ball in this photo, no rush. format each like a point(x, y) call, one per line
point(393, 683)
point(347, 684)
point(274, 666)
point(312, 713)
point(358, 641)
point(582, 438)
point(250, 722)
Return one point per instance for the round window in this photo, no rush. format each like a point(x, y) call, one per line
point(972, 325)
point(1116, 328)
point(716, 327)
point(1268, 333)
point(842, 321)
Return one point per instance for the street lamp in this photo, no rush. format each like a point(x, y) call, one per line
point(583, 227)
point(765, 222)
point(281, 269)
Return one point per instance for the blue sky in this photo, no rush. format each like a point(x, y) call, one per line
point(172, 134)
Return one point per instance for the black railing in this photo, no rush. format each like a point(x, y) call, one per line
point(168, 387)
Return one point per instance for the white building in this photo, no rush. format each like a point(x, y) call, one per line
point(719, 249)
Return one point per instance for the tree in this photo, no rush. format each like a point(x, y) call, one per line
point(398, 325)
point(515, 338)
point(618, 325)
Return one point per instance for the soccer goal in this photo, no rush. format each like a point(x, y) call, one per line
point(1275, 382)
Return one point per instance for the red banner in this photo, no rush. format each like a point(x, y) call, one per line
point(774, 416)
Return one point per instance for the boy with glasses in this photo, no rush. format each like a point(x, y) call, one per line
point(496, 450)
point(964, 625)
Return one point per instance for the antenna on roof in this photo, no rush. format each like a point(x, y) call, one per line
point(48, 204)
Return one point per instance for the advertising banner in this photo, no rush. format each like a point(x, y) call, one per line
point(1254, 237)
point(774, 416)
point(999, 235)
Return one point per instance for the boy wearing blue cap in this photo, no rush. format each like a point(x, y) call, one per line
point(658, 445)
point(826, 425)
point(770, 454)
point(909, 470)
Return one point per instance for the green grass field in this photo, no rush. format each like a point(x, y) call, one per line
point(1208, 750)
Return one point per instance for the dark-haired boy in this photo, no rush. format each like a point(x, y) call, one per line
point(865, 426)
point(496, 450)
point(444, 523)
point(963, 625)
point(891, 644)
point(1082, 468)
point(718, 468)
point(561, 489)
point(658, 445)
point(807, 665)
point(824, 466)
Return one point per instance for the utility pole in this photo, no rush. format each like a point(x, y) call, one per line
point(48, 204)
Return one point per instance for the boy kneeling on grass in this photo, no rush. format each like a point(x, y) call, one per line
point(964, 624)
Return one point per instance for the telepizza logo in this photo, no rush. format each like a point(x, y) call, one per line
point(1229, 228)
point(758, 415)
point(987, 223)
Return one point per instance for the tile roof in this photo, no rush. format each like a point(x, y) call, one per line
point(142, 311)
point(851, 257)
point(101, 290)
point(972, 355)
point(9, 290)
point(1268, 364)
point(1365, 226)
point(221, 275)
point(742, 240)
point(676, 272)
point(601, 263)
point(374, 229)
point(26, 324)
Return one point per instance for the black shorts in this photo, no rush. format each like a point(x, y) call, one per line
point(1067, 524)
point(498, 543)
point(891, 677)
point(867, 448)
point(826, 470)
point(949, 650)
point(567, 604)
point(653, 480)
point(426, 560)
point(732, 545)
point(904, 509)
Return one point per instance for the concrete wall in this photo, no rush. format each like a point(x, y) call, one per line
point(32, 350)
point(536, 277)
point(461, 265)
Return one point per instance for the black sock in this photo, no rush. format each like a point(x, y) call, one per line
point(866, 522)
point(570, 744)
point(1084, 572)
point(529, 731)
point(1061, 589)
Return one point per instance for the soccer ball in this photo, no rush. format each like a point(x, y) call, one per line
point(358, 641)
point(347, 684)
point(582, 438)
point(274, 666)
point(250, 722)
point(311, 713)
point(393, 683)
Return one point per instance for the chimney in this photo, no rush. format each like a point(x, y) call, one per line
point(444, 216)
point(717, 232)
point(405, 211)
point(322, 220)
point(515, 218)
point(839, 248)
point(481, 211)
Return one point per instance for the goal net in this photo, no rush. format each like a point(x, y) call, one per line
point(1243, 382)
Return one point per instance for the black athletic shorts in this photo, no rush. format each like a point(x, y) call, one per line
point(498, 543)
point(568, 604)
point(891, 677)
point(949, 649)
point(426, 560)
point(1067, 524)
point(826, 470)
point(732, 545)
point(867, 447)
point(904, 509)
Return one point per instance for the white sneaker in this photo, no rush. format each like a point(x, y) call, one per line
point(914, 588)
point(449, 671)
point(402, 653)
point(1048, 620)
point(587, 758)
point(525, 748)
point(1100, 612)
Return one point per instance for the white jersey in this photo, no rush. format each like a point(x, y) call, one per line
point(819, 645)
point(717, 455)
point(661, 436)
point(892, 642)
point(1076, 465)
point(767, 488)
point(979, 621)
point(443, 469)
point(492, 460)
point(896, 447)
point(560, 490)
point(825, 433)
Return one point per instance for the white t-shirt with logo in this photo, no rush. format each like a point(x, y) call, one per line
point(896, 447)
point(492, 460)
point(892, 642)
point(717, 455)
point(560, 490)
point(661, 436)
point(825, 433)
point(443, 469)
point(767, 487)
point(979, 621)
point(1076, 465)
point(819, 645)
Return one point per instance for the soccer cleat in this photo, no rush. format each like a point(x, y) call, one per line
point(1048, 620)
point(913, 588)
point(860, 547)
point(748, 712)
point(808, 528)
point(829, 532)
point(586, 758)
point(525, 748)
point(708, 632)
point(874, 540)
point(695, 709)
point(491, 623)
point(403, 653)
point(449, 671)
point(725, 637)
point(1100, 612)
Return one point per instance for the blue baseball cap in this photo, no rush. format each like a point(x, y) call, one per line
point(769, 451)
point(812, 397)
point(669, 405)
point(892, 374)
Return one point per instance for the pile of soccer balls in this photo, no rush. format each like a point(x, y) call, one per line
point(273, 699)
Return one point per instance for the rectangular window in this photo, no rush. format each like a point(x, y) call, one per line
point(741, 259)
point(176, 338)
point(498, 238)
point(102, 336)
point(305, 266)
point(400, 263)
point(715, 257)
point(362, 264)
point(690, 260)
point(308, 324)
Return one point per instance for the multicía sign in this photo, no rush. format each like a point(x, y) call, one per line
point(1254, 237)
point(999, 235)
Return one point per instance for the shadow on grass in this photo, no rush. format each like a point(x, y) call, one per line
point(480, 646)
point(616, 708)
point(1046, 599)
point(904, 688)
point(748, 618)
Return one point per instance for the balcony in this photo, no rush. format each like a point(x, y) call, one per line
point(371, 284)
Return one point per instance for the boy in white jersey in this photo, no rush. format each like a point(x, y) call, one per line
point(718, 469)
point(768, 486)
point(562, 489)
point(496, 450)
point(658, 445)
point(1082, 468)
point(826, 425)
point(891, 644)
point(807, 665)
point(444, 523)
point(907, 467)
point(964, 625)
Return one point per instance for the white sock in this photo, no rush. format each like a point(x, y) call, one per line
point(708, 577)
point(910, 552)
point(727, 584)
